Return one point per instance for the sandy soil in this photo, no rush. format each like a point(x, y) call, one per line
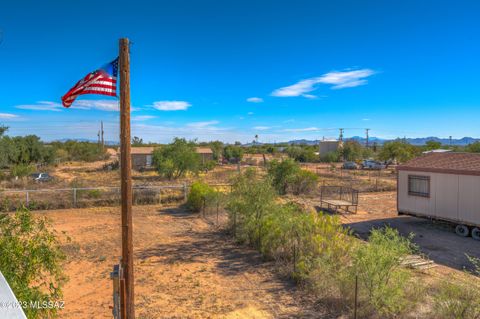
point(436, 240)
point(184, 269)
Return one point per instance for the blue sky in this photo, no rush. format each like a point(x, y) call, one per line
point(231, 69)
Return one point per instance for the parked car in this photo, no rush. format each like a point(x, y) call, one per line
point(350, 165)
point(371, 164)
point(41, 177)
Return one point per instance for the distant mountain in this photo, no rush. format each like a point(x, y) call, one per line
point(414, 141)
point(63, 140)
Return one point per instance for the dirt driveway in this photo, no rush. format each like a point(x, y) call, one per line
point(183, 269)
point(437, 240)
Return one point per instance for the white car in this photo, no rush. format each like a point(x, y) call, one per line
point(371, 164)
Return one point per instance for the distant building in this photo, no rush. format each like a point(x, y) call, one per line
point(325, 147)
point(142, 156)
point(206, 153)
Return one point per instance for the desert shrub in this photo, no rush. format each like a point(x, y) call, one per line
point(21, 170)
point(383, 284)
point(208, 166)
point(303, 182)
point(200, 193)
point(476, 265)
point(31, 260)
point(79, 151)
point(249, 204)
point(457, 300)
point(287, 176)
point(94, 193)
point(330, 157)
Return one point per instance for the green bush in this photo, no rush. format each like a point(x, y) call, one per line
point(21, 170)
point(383, 284)
point(287, 176)
point(303, 182)
point(200, 194)
point(457, 300)
point(249, 203)
point(31, 260)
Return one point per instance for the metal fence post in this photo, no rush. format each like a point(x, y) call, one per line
point(74, 197)
point(185, 191)
point(27, 200)
point(356, 297)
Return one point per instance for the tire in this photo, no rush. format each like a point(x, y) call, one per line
point(462, 230)
point(476, 233)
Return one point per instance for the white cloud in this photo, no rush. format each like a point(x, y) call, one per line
point(250, 113)
point(102, 105)
point(305, 129)
point(289, 121)
point(338, 80)
point(143, 117)
point(310, 96)
point(365, 119)
point(255, 100)
point(261, 128)
point(171, 105)
point(8, 116)
point(41, 106)
point(202, 124)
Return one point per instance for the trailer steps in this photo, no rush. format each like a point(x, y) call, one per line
point(417, 262)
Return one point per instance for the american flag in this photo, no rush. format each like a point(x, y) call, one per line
point(102, 81)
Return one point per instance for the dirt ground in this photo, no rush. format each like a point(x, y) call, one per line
point(436, 240)
point(184, 268)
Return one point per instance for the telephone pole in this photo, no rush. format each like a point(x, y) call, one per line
point(366, 133)
point(341, 135)
point(101, 134)
point(127, 298)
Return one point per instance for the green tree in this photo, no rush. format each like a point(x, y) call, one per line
point(233, 153)
point(432, 145)
point(352, 151)
point(473, 148)
point(31, 260)
point(3, 129)
point(137, 141)
point(397, 150)
point(302, 154)
point(217, 149)
point(176, 159)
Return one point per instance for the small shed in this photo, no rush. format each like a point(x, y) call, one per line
point(206, 153)
point(443, 186)
point(142, 157)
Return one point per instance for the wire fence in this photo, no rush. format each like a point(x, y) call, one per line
point(82, 197)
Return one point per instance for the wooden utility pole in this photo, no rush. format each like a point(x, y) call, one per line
point(126, 181)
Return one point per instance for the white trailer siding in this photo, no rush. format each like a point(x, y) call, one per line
point(453, 197)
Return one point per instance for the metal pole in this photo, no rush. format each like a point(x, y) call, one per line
point(74, 197)
point(126, 179)
point(356, 297)
point(27, 200)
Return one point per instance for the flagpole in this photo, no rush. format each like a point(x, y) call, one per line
point(127, 307)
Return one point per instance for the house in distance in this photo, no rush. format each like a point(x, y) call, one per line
point(142, 156)
point(442, 186)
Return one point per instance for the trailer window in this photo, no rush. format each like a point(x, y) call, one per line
point(419, 185)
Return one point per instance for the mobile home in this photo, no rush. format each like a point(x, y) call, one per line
point(442, 186)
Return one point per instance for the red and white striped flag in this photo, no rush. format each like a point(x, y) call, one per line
point(102, 81)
